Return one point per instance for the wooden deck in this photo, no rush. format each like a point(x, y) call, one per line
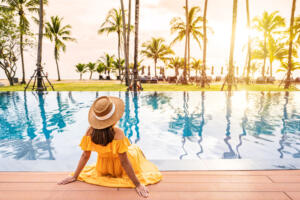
point(181, 185)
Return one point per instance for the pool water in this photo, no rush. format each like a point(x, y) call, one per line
point(176, 130)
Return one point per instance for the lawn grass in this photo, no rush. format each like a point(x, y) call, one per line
point(112, 86)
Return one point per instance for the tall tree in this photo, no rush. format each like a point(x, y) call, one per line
point(91, 67)
point(81, 69)
point(156, 49)
point(108, 61)
point(113, 24)
point(196, 65)
point(187, 33)
point(136, 44)
point(194, 28)
point(249, 42)
point(8, 45)
point(297, 30)
point(290, 60)
point(176, 64)
point(203, 82)
point(268, 24)
point(230, 76)
point(40, 47)
point(22, 8)
point(58, 34)
point(126, 51)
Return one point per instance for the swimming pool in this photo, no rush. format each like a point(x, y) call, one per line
point(177, 130)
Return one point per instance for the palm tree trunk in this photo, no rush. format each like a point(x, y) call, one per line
point(265, 57)
point(91, 74)
point(271, 68)
point(119, 53)
point(40, 46)
point(230, 77)
point(189, 54)
point(290, 62)
point(136, 44)
point(249, 43)
point(56, 61)
point(22, 50)
point(186, 40)
point(155, 62)
point(125, 44)
point(204, 46)
point(80, 76)
point(128, 35)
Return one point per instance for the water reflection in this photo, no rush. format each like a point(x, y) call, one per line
point(128, 122)
point(188, 124)
point(204, 124)
point(229, 154)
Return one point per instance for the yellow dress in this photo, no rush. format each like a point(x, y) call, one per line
point(108, 170)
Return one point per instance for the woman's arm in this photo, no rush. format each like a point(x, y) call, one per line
point(85, 156)
point(141, 189)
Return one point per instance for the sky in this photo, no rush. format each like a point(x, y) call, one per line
point(85, 17)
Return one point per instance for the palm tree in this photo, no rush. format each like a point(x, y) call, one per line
point(276, 51)
point(156, 49)
point(196, 65)
point(268, 24)
point(136, 44)
point(91, 67)
point(125, 44)
point(119, 64)
point(100, 68)
point(108, 62)
point(176, 64)
point(204, 48)
point(230, 76)
point(290, 61)
point(254, 67)
point(284, 67)
point(81, 69)
point(297, 30)
point(40, 86)
point(113, 24)
point(58, 34)
point(194, 29)
point(22, 8)
point(249, 42)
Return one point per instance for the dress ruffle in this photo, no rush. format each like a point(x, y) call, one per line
point(108, 170)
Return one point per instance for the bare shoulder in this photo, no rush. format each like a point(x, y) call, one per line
point(119, 133)
point(89, 131)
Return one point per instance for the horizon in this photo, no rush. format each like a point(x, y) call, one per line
point(90, 46)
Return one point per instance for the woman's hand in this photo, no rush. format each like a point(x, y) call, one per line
point(142, 191)
point(67, 180)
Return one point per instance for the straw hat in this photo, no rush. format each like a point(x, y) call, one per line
point(105, 111)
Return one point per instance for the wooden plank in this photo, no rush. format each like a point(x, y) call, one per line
point(294, 195)
point(192, 173)
point(54, 178)
point(96, 195)
point(215, 179)
point(78, 185)
point(224, 187)
point(242, 173)
point(285, 179)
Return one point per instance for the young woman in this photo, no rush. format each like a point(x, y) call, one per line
point(119, 164)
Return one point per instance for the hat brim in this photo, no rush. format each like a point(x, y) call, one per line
point(101, 124)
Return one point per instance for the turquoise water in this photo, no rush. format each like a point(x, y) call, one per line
point(251, 130)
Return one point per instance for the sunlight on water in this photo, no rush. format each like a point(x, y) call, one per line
point(166, 125)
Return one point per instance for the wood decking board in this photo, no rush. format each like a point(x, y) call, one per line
point(176, 185)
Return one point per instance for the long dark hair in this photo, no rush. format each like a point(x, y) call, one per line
point(103, 136)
